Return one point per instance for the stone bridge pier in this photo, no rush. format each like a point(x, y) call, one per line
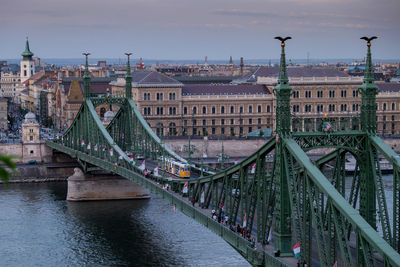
point(83, 187)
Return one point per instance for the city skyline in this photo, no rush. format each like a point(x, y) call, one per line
point(184, 30)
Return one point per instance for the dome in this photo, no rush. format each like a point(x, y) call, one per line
point(108, 116)
point(30, 117)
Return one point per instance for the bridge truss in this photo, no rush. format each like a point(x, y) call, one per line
point(278, 194)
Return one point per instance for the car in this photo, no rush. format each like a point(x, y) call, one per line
point(139, 157)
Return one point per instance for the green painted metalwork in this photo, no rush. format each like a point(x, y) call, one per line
point(278, 189)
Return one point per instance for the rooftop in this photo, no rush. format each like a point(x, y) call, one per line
point(385, 87)
point(293, 72)
point(224, 89)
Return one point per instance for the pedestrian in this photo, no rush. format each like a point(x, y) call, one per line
point(193, 201)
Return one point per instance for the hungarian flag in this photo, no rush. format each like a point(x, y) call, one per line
point(296, 250)
point(277, 138)
point(103, 148)
point(253, 169)
point(111, 152)
point(185, 188)
point(236, 161)
point(89, 146)
point(131, 159)
point(222, 205)
point(82, 143)
point(143, 165)
point(245, 221)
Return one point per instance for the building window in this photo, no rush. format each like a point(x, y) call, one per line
point(213, 130)
point(250, 129)
point(172, 129)
point(343, 107)
point(194, 111)
point(222, 130)
point(194, 122)
point(222, 110)
point(31, 138)
point(259, 121)
point(332, 107)
point(259, 108)
point(172, 111)
point(232, 131)
point(184, 122)
point(147, 111)
point(268, 109)
point(320, 108)
point(393, 106)
point(24, 72)
point(240, 130)
point(184, 110)
point(204, 110)
point(222, 122)
point(213, 110)
point(213, 122)
point(343, 93)
point(204, 122)
point(240, 121)
point(250, 121)
point(160, 111)
point(241, 109)
point(250, 109)
point(392, 117)
point(331, 94)
point(384, 106)
point(308, 94)
point(320, 94)
point(146, 96)
point(307, 108)
point(232, 109)
point(160, 96)
point(355, 93)
point(295, 94)
point(232, 121)
point(171, 96)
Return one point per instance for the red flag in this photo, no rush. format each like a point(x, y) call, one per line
point(244, 221)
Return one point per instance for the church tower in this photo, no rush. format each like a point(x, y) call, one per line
point(27, 64)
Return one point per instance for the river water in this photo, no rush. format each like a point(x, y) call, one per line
point(38, 227)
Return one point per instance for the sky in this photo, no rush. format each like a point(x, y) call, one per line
point(193, 29)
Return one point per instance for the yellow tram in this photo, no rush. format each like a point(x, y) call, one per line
point(177, 168)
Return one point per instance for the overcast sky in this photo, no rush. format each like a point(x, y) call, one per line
point(192, 29)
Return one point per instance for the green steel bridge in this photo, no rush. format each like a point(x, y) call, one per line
point(279, 191)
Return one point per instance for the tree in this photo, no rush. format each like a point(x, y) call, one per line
point(4, 173)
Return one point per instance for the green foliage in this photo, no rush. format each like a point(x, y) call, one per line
point(4, 173)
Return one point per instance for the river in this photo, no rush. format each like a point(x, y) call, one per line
point(38, 227)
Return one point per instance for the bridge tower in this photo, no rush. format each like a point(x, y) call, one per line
point(282, 91)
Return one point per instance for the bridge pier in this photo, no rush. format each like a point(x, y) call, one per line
point(84, 187)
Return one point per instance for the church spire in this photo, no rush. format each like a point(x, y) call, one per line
point(128, 78)
point(27, 54)
point(86, 78)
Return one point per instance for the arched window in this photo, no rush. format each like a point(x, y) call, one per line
point(159, 129)
point(232, 109)
point(250, 109)
point(204, 110)
point(222, 109)
point(172, 128)
point(184, 110)
point(213, 110)
point(194, 110)
point(268, 108)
